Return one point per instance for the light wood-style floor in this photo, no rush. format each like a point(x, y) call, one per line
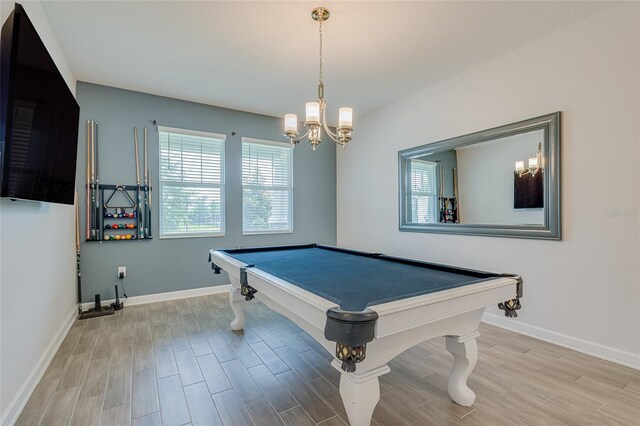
point(177, 363)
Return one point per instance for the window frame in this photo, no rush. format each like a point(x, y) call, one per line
point(221, 185)
point(435, 195)
point(287, 145)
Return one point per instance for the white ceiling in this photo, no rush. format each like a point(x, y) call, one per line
point(263, 56)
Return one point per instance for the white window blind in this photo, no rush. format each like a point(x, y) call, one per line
point(267, 187)
point(424, 197)
point(191, 183)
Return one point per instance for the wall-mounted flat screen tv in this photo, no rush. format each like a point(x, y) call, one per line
point(39, 133)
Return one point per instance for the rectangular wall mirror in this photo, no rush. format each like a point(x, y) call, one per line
point(502, 182)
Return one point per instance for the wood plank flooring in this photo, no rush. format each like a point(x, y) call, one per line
point(177, 363)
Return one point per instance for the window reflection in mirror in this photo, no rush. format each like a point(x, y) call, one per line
point(424, 196)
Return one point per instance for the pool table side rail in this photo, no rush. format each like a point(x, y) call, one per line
point(412, 262)
point(401, 315)
point(420, 300)
point(439, 266)
point(299, 247)
point(263, 248)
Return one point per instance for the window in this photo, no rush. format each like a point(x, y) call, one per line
point(191, 183)
point(424, 197)
point(267, 187)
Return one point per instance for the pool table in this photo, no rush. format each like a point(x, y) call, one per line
point(367, 308)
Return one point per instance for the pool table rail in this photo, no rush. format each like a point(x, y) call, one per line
point(399, 315)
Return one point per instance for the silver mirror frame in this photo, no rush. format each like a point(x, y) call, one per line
point(551, 230)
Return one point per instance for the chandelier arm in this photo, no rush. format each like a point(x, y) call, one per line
point(332, 135)
point(297, 140)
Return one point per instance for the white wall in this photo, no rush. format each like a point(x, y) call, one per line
point(37, 269)
point(485, 180)
point(583, 291)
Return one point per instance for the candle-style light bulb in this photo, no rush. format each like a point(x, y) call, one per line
point(313, 112)
point(290, 123)
point(345, 117)
point(519, 166)
point(533, 163)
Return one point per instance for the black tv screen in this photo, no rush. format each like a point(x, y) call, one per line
point(39, 134)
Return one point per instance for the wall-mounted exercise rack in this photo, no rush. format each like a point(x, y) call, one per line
point(117, 212)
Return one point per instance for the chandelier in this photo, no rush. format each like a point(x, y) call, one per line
point(535, 164)
point(315, 111)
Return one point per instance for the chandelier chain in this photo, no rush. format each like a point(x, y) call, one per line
point(320, 53)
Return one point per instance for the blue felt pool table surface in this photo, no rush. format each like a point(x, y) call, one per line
point(354, 280)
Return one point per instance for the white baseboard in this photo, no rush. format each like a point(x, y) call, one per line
point(628, 359)
point(13, 410)
point(162, 297)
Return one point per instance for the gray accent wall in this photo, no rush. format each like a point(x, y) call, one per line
point(162, 265)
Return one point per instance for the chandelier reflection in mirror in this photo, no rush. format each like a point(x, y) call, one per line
point(535, 164)
point(315, 119)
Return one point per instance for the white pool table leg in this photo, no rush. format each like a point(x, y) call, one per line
point(465, 353)
point(360, 394)
point(237, 302)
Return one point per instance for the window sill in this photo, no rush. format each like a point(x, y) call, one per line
point(173, 237)
point(289, 231)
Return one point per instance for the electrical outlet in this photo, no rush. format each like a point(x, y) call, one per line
point(122, 270)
